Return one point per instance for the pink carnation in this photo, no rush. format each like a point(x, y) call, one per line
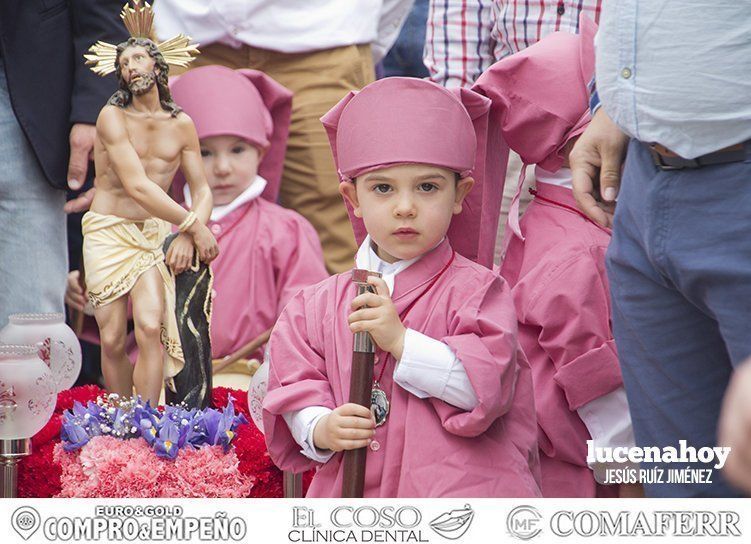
point(109, 467)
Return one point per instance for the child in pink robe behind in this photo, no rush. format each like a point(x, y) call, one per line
point(267, 252)
point(460, 420)
point(555, 264)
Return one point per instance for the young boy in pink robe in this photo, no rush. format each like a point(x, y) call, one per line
point(268, 253)
point(555, 264)
point(460, 420)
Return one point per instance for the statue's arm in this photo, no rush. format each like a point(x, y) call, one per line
point(127, 165)
point(192, 168)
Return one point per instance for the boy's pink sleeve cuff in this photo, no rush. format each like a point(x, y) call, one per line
point(591, 375)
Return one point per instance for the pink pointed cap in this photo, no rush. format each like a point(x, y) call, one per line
point(243, 103)
point(400, 120)
point(377, 127)
point(540, 95)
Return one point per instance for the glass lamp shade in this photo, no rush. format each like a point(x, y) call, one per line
point(27, 392)
point(259, 383)
point(59, 348)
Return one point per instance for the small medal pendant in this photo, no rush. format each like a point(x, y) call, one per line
point(379, 404)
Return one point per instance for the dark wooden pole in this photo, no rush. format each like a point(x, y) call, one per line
point(292, 485)
point(360, 387)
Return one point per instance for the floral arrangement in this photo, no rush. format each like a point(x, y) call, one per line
point(167, 432)
point(194, 471)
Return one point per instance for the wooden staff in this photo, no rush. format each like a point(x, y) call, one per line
point(360, 388)
point(243, 352)
point(292, 485)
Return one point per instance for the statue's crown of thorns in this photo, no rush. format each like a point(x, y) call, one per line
point(139, 21)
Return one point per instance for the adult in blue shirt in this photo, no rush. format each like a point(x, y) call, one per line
point(674, 91)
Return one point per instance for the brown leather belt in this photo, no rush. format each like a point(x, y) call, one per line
point(668, 160)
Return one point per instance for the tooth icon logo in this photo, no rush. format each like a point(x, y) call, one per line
point(25, 520)
point(452, 525)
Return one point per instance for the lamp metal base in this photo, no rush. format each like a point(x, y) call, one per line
point(11, 451)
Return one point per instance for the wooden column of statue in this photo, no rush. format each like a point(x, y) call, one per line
point(193, 384)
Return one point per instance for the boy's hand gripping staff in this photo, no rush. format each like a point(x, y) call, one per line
point(360, 388)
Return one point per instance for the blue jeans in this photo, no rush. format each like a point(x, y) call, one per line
point(33, 253)
point(679, 266)
point(405, 56)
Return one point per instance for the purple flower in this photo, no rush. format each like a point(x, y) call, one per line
point(73, 436)
point(122, 424)
point(219, 427)
point(233, 421)
point(147, 429)
point(165, 444)
point(79, 410)
point(167, 432)
point(184, 430)
point(83, 417)
point(211, 422)
point(184, 420)
point(146, 420)
point(195, 435)
point(227, 426)
point(141, 412)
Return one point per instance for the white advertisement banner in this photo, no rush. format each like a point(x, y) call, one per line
point(434, 521)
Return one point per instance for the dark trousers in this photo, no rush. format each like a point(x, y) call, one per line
point(679, 266)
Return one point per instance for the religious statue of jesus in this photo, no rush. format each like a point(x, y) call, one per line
point(142, 139)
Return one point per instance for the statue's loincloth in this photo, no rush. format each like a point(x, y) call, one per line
point(116, 251)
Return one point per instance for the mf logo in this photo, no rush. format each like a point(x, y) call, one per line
point(524, 522)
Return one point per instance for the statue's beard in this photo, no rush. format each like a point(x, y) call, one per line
point(143, 84)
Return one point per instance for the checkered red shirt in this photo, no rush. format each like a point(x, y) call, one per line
point(464, 37)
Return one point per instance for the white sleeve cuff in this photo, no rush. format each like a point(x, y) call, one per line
point(301, 424)
point(608, 421)
point(428, 368)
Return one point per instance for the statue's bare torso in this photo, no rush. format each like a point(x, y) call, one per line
point(158, 139)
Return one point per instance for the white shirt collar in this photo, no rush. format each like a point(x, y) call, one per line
point(253, 191)
point(561, 178)
point(366, 258)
